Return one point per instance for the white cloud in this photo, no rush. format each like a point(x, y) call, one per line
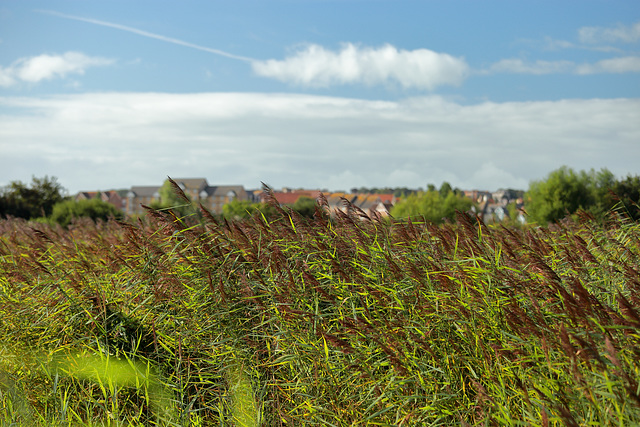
point(399, 177)
point(6, 78)
point(337, 181)
point(554, 44)
point(489, 172)
point(551, 44)
point(46, 67)
point(628, 64)
point(98, 141)
point(519, 66)
point(319, 67)
point(620, 33)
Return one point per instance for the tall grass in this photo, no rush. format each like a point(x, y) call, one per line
point(350, 321)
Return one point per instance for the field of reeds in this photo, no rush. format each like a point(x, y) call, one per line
point(330, 322)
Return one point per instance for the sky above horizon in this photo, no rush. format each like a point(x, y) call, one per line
point(317, 93)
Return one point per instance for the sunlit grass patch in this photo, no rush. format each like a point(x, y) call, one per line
point(244, 408)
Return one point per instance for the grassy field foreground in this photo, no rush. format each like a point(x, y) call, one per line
point(297, 322)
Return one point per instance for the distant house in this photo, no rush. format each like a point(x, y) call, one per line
point(337, 201)
point(197, 189)
point(478, 196)
point(289, 197)
point(373, 205)
point(110, 196)
point(141, 195)
point(505, 196)
point(498, 212)
point(214, 198)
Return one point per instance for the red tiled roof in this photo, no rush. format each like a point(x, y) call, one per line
point(290, 198)
point(386, 198)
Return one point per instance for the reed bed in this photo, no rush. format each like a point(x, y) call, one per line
point(331, 322)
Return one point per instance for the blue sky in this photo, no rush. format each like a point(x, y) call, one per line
point(317, 94)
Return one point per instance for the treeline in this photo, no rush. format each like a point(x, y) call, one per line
point(396, 191)
point(433, 205)
point(45, 200)
point(563, 192)
point(404, 191)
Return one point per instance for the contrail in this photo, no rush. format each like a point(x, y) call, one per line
point(147, 34)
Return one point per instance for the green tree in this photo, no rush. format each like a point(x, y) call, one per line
point(563, 192)
point(169, 199)
point(625, 196)
point(96, 209)
point(36, 200)
point(431, 206)
point(453, 203)
point(305, 206)
point(445, 189)
point(239, 209)
point(600, 184)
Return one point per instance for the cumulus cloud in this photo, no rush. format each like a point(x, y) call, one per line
point(46, 67)
point(620, 33)
point(319, 67)
point(100, 141)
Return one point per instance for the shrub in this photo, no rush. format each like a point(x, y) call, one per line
point(28, 202)
point(564, 192)
point(96, 209)
point(434, 206)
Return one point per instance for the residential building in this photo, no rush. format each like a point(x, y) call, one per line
point(141, 195)
point(215, 197)
point(373, 205)
point(110, 196)
point(196, 189)
point(478, 196)
point(289, 197)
